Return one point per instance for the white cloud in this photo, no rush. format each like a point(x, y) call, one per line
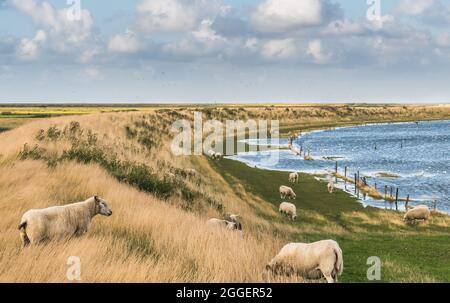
point(124, 43)
point(57, 23)
point(379, 23)
point(316, 51)
point(414, 7)
point(204, 40)
point(177, 15)
point(166, 16)
point(88, 55)
point(207, 35)
point(344, 27)
point(286, 15)
point(29, 48)
point(279, 49)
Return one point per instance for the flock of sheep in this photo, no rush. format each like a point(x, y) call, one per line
point(322, 259)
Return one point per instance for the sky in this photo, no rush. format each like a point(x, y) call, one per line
point(225, 51)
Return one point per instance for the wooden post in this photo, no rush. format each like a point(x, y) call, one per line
point(435, 204)
point(301, 149)
point(336, 172)
point(356, 184)
point(385, 192)
point(396, 199)
point(406, 203)
point(345, 178)
point(375, 185)
point(392, 192)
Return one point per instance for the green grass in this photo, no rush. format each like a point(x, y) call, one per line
point(409, 252)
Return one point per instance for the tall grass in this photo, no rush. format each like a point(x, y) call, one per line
point(150, 237)
point(158, 232)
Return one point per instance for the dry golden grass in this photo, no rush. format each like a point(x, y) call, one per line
point(149, 239)
point(146, 239)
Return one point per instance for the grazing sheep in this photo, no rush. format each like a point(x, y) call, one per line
point(218, 156)
point(38, 225)
point(293, 177)
point(235, 219)
point(311, 261)
point(287, 192)
point(211, 153)
point(222, 223)
point(420, 212)
point(288, 209)
point(330, 187)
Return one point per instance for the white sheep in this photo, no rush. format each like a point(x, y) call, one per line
point(57, 222)
point(211, 153)
point(287, 192)
point(235, 219)
point(293, 177)
point(223, 223)
point(218, 156)
point(420, 212)
point(311, 261)
point(288, 209)
point(330, 186)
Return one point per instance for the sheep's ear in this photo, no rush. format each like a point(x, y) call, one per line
point(96, 199)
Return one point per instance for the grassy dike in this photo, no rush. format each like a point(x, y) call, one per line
point(409, 253)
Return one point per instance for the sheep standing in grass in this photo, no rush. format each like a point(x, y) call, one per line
point(330, 186)
point(57, 222)
point(218, 156)
point(289, 210)
point(287, 192)
point(293, 177)
point(223, 223)
point(211, 153)
point(235, 219)
point(311, 261)
point(420, 212)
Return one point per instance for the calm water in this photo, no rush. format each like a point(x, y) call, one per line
point(418, 155)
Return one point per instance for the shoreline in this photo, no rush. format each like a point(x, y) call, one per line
point(378, 196)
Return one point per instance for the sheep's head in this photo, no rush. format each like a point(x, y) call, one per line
point(294, 217)
point(102, 207)
point(231, 225)
point(234, 218)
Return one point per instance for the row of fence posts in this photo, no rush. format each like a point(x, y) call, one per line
point(304, 152)
point(387, 189)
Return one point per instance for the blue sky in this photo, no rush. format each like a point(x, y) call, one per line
point(224, 51)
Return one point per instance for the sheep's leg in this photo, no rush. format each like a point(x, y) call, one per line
point(329, 278)
point(327, 269)
point(25, 240)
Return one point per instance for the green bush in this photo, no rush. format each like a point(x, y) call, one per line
point(35, 153)
point(53, 133)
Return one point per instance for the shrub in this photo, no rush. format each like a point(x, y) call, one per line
point(35, 153)
point(53, 133)
point(40, 135)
